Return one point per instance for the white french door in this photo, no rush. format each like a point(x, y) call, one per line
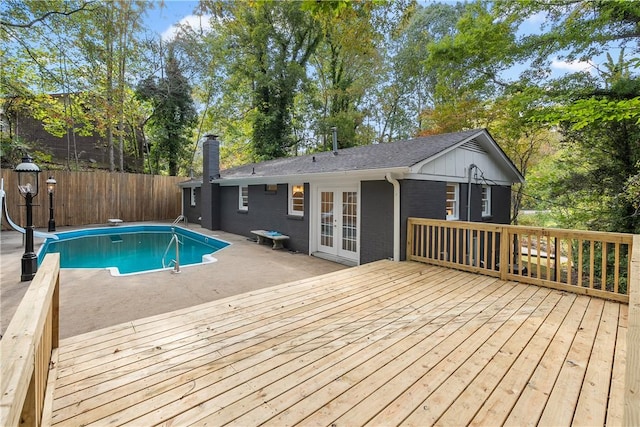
point(338, 224)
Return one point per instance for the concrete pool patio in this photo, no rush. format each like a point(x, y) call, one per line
point(92, 299)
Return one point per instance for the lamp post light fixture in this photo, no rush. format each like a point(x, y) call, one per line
point(28, 173)
point(51, 186)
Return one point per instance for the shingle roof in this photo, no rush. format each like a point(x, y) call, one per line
point(377, 156)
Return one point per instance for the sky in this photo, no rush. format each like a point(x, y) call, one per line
point(162, 20)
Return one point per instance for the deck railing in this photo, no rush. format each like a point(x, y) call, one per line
point(585, 262)
point(26, 347)
point(599, 264)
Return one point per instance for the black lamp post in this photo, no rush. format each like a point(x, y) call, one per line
point(51, 186)
point(28, 187)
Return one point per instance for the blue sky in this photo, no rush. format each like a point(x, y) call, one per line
point(161, 19)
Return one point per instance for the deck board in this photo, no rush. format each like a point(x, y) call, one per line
point(384, 344)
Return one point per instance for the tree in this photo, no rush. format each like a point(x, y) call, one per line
point(599, 112)
point(174, 114)
point(408, 88)
point(270, 44)
point(80, 50)
point(596, 114)
point(107, 44)
point(345, 67)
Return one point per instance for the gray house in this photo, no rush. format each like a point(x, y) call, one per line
point(351, 205)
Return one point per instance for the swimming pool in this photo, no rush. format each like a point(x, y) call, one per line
point(131, 249)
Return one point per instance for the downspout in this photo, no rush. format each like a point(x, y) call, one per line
point(469, 259)
point(396, 215)
point(471, 167)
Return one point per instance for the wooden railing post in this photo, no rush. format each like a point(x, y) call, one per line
point(410, 233)
point(632, 367)
point(504, 252)
point(55, 308)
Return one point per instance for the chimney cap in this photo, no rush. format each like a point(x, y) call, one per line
point(211, 136)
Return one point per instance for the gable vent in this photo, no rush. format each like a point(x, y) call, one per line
point(473, 145)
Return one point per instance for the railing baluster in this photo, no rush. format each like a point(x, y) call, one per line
point(569, 261)
point(616, 267)
point(603, 283)
point(465, 255)
point(591, 263)
point(496, 250)
point(580, 261)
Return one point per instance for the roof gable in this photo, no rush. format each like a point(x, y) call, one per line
point(407, 154)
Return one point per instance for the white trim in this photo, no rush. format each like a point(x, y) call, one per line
point(291, 211)
point(416, 168)
point(447, 178)
point(314, 219)
point(325, 178)
point(396, 216)
point(485, 141)
point(486, 209)
point(241, 205)
point(455, 215)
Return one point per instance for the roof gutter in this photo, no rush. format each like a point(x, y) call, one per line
point(396, 215)
point(364, 174)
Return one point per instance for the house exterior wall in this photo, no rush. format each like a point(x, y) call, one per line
point(455, 165)
point(267, 211)
point(422, 199)
point(419, 198)
point(500, 205)
point(376, 221)
point(191, 212)
point(427, 199)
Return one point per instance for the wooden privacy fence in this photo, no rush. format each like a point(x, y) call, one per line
point(26, 348)
point(586, 262)
point(82, 198)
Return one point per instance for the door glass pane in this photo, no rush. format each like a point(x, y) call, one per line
point(326, 218)
point(349, 220)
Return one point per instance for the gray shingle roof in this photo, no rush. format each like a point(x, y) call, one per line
point(377, 156)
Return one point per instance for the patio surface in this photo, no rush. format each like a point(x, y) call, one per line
point(381, 344)
point(93, 299)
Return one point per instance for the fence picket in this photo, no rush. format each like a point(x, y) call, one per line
point(83, 198)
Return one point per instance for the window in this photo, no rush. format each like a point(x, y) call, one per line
point(296, 200)
point(452, 201)
point(486, 200)
point(243, 198)
point(193, 196)
point(271, 188)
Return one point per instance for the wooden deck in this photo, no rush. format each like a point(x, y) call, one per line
point(381, 344)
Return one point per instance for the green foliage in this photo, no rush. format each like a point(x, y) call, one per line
point(174, 114)
point(273, 78)
point(269, 45)
point(586, 112)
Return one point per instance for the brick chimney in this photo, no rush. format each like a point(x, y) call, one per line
point(210, 193)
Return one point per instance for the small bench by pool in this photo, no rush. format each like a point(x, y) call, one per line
point(114, 221)
point(273, 236)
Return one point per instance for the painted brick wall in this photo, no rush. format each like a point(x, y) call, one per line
point(500, 204)
point(191, 212)
point(427, 199)
point(267, 211)
point(376, 225)
point(422, 199)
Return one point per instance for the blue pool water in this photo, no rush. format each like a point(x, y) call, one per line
point(131, 249)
